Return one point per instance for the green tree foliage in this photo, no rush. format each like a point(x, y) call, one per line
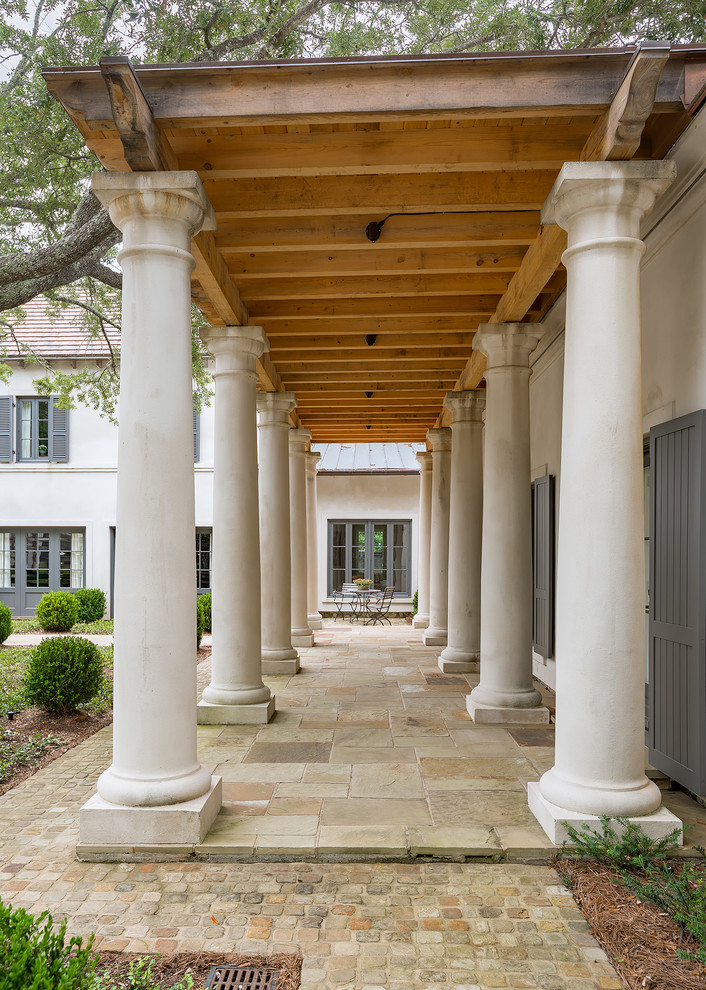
point(57, 240)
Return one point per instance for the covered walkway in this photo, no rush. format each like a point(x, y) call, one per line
point(372, 754)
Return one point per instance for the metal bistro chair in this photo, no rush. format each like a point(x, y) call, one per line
point(377, 608)
point(348, 595)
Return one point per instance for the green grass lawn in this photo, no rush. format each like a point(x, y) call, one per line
point(102, 627)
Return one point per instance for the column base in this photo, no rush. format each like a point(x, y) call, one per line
point(300, 638)
point(270, 667)
point(553, 819)
point(102, 823)
point(259, 714)
point(435, 636)
point(315, 620)
point(459, 666)
point(490, 715)
point(420, 621)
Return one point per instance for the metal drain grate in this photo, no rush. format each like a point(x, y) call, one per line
point(242, 978)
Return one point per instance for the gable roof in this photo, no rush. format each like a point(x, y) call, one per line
point(52, 336)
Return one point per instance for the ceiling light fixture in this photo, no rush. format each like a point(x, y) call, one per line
point(374, 228)
point(370, 339)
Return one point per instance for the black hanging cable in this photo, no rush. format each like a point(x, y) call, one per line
point(374, 228)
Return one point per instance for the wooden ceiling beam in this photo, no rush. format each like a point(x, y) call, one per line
point(482, 230)
point(407, 325)
point(544, 146)
point(344, 309)
point(616, 136)
point(318, 195)
point(373, 286)
point(379, 261)
point(368, 379)
point(303, 344)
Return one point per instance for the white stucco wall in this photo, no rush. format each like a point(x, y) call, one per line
point(366, 496)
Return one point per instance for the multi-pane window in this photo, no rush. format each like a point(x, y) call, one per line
point(7, 560)
point(41, 429)
point(71, 560)
point(203, 559)
point(379, 550)
point(37, 560)
point(34, 429)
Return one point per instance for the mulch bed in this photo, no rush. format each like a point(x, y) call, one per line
point(640, 940)
point(172, 967)
point(70, 730)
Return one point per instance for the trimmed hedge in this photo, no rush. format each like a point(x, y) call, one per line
point(91, 604)
point(206, 602)
point(200, 621)
point(5, 622)
point(33, 956)
point(57, 611)
point(63, 672)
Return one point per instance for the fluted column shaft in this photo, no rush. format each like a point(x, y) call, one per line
point(301, 630)
point(236, 692)
point(278, 654)
point(465, 531)
point(506, 571)
point(154, 728)
point(421, 619)
point(312, 530)
point(436, 632)
point(600, 639)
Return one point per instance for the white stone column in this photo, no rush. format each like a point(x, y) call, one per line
point(301, 630)
point(506, 692)
point(421, 619)
point(465, 531)
point(600, 633)
point(236, 693)
point(312, 531)
point(436, 632)
point(156, 790)
point(278, 654)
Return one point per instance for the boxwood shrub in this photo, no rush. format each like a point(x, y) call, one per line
point(34, 956)
point(63, 672)
point(91, 604)
point(206, 602)
point(5, 622)
point(200, 621)
point(57, 611)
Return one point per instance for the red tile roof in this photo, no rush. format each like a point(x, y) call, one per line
point(57, 337)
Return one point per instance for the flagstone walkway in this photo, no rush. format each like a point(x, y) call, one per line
point(370, 754)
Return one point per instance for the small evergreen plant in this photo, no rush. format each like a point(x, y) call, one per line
point(626, 849)
point(57, 611)
point(63, 673)
point(415, 603)
point(200, 621)
point(206, 603)
point(5, 622)
point(34, 956)
point(90, 603)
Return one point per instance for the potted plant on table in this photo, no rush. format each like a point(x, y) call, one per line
point(363, 584)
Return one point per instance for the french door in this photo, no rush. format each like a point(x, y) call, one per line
point(378, 550)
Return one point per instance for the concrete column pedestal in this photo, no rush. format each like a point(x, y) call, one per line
point(155, 788)
point(436, 633)
point(506, 692)
point(278, 654)
point(302, 634)
point(236, 693)
point(600, 620)
point(462, 653)
point(421, 619)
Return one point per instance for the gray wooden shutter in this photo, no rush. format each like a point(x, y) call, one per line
point(197, 436)
point(677, 610)
point(543, 565)
point(59, 431)
point(6, 404)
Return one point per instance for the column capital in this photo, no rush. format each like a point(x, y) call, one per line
point(424, 458)
point(144, 195)
point(598, 185)
point(311, 460)
point(299, 438)
point(440, 439)
point(507, 344)
point(235, 348)
point(465, 407)
point(274, 407)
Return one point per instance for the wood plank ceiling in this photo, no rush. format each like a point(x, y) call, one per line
point(458, 153)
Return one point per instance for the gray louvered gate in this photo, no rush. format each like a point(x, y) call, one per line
point(543, 565)
point(677, 680)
